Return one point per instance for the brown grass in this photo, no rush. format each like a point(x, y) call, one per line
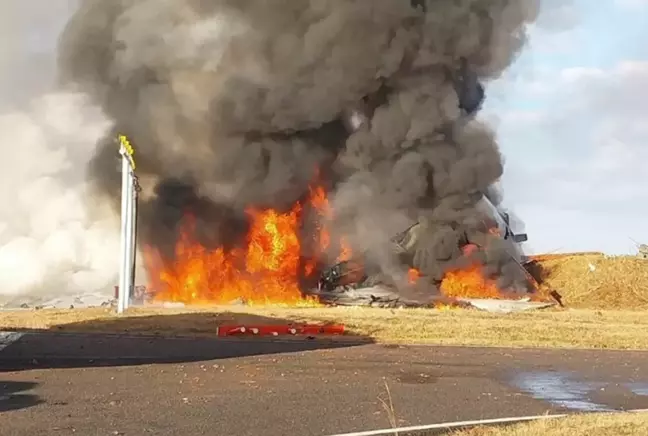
point(553, 328)
point(606, 309)
point(595, 281)
point(617, 424)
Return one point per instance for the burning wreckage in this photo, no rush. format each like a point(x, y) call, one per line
point(251, 115)
point(355, 282)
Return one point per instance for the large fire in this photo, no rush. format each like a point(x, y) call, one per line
point(266, 272)
point(469, 283)
point(270, 269)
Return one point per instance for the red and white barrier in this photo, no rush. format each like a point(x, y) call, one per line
point(280, 330)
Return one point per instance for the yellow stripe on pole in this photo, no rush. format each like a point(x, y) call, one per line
point(126, 149)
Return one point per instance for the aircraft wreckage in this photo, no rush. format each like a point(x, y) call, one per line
point(356, 282)
point(360, 281)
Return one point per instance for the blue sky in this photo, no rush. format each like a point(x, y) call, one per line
point(572, 118)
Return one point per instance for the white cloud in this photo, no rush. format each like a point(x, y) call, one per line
point(591, 160)
point(632, 4)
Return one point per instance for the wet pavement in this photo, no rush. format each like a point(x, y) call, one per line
point(110, 385)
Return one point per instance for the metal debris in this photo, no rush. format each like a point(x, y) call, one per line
point(507, 306)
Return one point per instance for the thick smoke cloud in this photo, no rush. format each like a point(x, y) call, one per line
point(50, 246)
point(237, 103)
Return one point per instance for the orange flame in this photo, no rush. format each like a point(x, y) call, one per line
point(494, 231)
point(464, 283)
point(469, 283)
point(266, 271)
point(413, 275)
point(319, 201)
point(269, 268)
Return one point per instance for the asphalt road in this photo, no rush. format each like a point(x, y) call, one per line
point(56, 384)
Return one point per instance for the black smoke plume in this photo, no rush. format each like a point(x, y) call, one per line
point(236, 103)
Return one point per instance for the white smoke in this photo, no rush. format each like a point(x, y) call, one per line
point(50, 245)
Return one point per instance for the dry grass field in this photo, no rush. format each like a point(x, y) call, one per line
point(606, 301)
point(614, 424)
point(596, 281)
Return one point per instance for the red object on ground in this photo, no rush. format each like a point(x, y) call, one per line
point(280, 330)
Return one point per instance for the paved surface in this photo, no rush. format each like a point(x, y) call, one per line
point(108, 385)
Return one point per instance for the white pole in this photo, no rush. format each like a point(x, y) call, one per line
point(129, 240)
point(133, 246)
point(123, 258)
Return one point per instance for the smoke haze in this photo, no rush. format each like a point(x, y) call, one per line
point(233, 104)
point(49, 244)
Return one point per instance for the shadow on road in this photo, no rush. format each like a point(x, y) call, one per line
point(12, 396)
point(142, 340)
